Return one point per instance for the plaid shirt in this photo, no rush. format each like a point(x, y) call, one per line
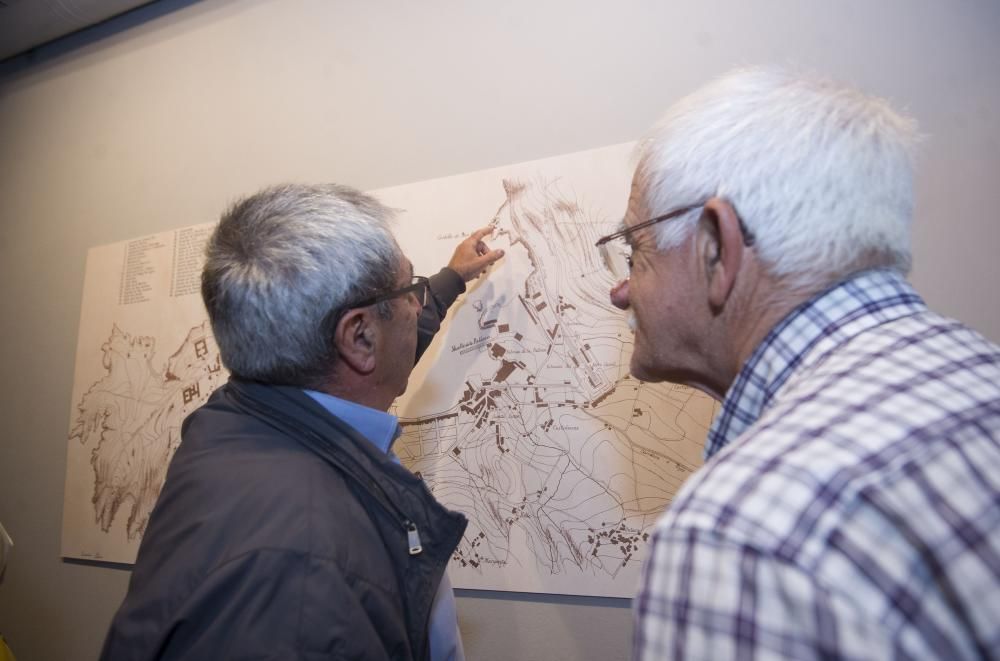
point(849, 506)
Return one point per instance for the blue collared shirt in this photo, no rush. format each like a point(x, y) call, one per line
point(382, 429)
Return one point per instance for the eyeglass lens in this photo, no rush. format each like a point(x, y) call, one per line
point(421, 291)
point(616, 258)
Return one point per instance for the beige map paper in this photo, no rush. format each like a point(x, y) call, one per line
point(145, 358)
point(522, 414)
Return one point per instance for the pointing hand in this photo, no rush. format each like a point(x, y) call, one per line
point(472, 256)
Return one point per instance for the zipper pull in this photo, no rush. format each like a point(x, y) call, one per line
point(413, 537)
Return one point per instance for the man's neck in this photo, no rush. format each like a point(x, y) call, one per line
point(358, 389)
point(766, 303)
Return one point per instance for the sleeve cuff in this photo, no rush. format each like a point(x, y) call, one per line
point(446, 286)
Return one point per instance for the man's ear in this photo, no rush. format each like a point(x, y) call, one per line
point(355, 338)
point(720, 246)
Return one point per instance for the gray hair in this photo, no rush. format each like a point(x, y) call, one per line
point(821, 174)
point(280, 265)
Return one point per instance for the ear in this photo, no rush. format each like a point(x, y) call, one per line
point(721, 247)
point(355, 338)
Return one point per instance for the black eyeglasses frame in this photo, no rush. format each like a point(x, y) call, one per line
point(417, 283)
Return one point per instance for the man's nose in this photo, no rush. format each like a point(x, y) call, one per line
point(619, 295)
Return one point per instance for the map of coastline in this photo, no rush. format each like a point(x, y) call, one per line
point(560, 459)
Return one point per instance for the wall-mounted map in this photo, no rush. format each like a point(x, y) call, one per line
point(521, 414)
point(145, 358)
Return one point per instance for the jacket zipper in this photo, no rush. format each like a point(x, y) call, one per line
point(412, 534)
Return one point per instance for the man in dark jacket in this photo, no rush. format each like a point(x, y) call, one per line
point(285, 528)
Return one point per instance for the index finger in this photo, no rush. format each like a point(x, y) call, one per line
point(481, 232)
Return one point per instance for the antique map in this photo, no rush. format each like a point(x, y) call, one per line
point(145, 359)
point(522, 413)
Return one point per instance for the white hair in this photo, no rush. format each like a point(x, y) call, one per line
point(821, 174)
point(279, 267)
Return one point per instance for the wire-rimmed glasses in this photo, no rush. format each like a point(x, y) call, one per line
point(617, 254)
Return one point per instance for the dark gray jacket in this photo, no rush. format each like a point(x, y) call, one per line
point(281, 533)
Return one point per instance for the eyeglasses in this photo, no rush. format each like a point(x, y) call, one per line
point(419, 286)
point(617, 255)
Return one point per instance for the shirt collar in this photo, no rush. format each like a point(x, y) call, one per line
point(379, 427)
point(809, 332)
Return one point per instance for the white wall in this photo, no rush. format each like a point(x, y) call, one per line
point(159, 119)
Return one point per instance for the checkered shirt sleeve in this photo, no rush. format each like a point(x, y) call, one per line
point(849, 507)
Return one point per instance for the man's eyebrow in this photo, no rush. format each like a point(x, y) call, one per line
point(628, 237)
point(411, 269)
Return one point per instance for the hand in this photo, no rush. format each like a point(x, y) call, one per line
point(473, 256)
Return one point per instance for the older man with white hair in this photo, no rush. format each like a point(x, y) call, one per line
point(849, 505)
